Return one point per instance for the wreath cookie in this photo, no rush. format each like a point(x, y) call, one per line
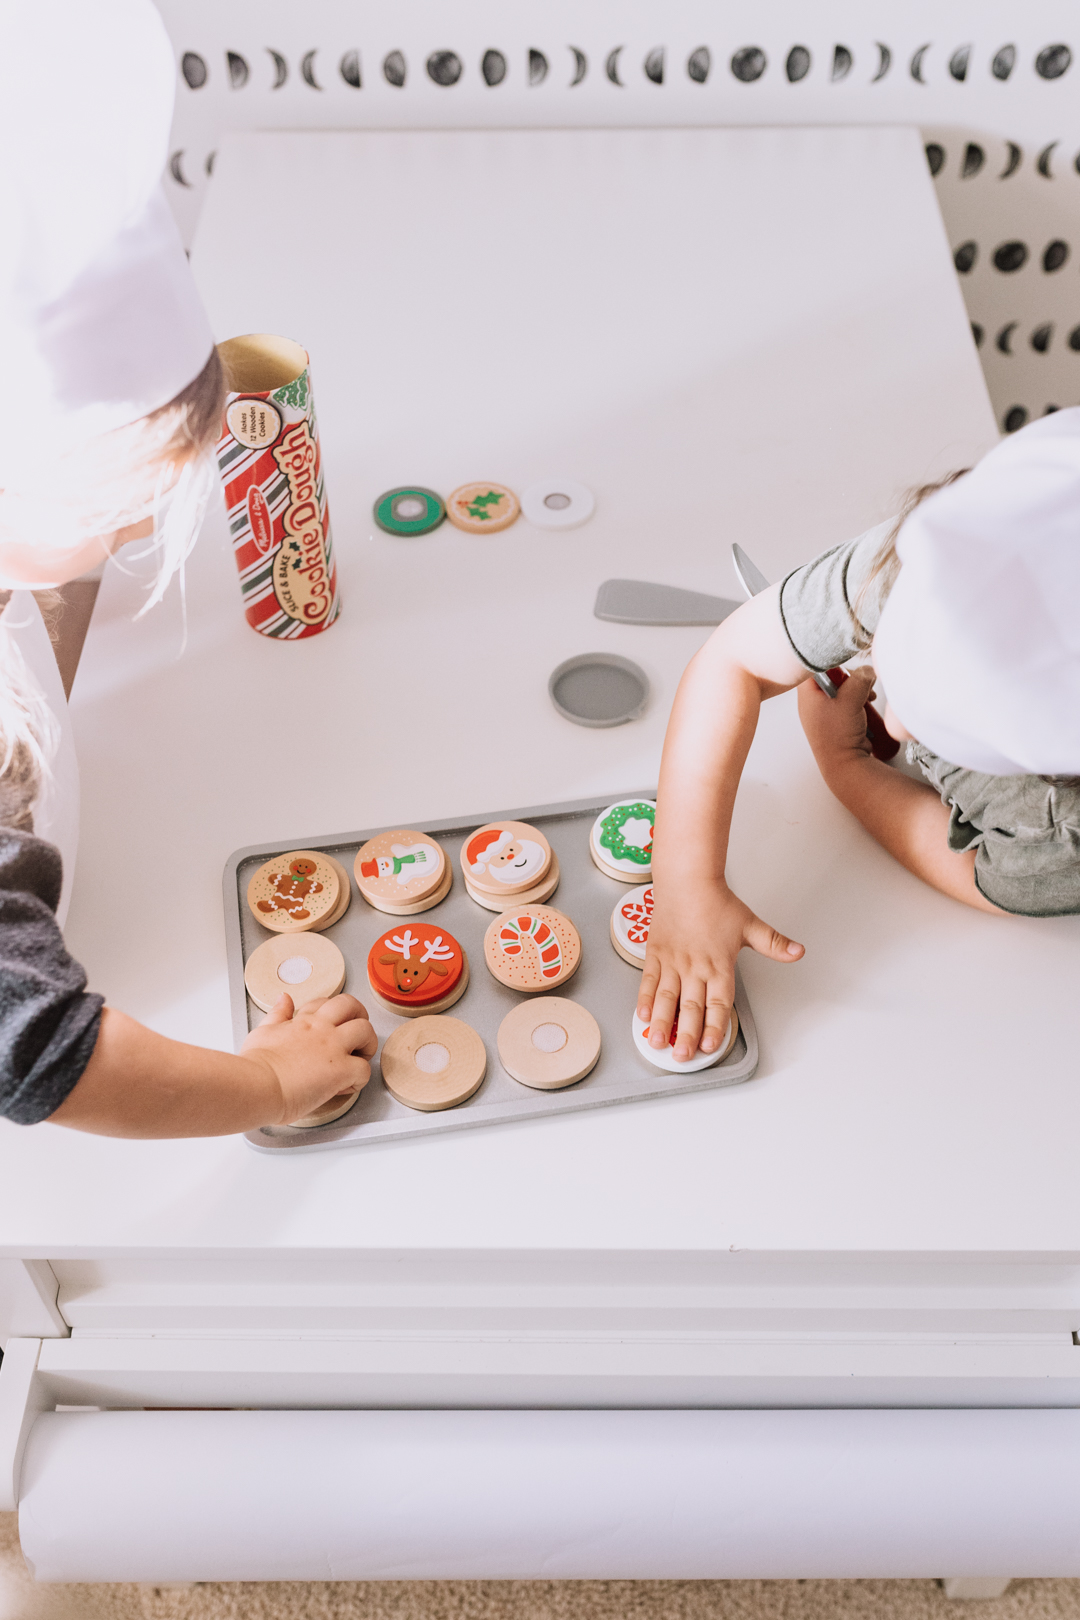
point(621, 841)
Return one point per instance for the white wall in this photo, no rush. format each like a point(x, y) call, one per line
point(1007, 140)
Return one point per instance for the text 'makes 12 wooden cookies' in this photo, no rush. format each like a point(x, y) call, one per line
point(301, 891)
point(509, 863)
point(402, 872)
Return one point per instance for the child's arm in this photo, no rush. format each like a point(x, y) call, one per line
point(906, 817)
point(140, 1084)
point(699, 925)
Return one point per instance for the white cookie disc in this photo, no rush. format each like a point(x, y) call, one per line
point(630, 923)
point(557, 503)
point(664, 1057)
point(621, 839)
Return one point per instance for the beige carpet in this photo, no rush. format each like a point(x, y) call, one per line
point(518, 1600)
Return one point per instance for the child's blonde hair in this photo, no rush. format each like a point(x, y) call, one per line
point(162, 467)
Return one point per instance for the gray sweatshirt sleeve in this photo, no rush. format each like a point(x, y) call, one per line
point(48, 1023)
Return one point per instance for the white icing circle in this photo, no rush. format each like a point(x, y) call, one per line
point(549, 1037)
point(431, 1058)
point(410, 507)
point(664, 1057)
point(295, 970)
point(557, 503)
point(631, 920)
point(637, 832)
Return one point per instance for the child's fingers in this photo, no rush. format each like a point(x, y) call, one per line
point(357, 1037)
point(665, 1006)
point(281, 1011)
point(691, 1018)
point(340, 1009)
point(769, 942)
point(650, 978)
point(717, 1016)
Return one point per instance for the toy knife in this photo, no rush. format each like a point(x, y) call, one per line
point(882, 745)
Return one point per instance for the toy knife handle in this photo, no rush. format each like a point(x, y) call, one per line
point(882, 745)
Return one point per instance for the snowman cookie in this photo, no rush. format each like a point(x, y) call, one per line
point(295, 892)
point(417, 968)
point(630, 922)
point(533, 948)
point(401, 872)
point(621, 840)
point(664, 1057)
point(503, 860)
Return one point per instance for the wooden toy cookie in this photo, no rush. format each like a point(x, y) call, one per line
point(294, 892)
point(306, 967)
point(549, 1042)
point(433, 1063)
point(331, 1110)
point(630, 922)
point(482, 508)
point(621, 840)
point(533, 948)
point(396, 871)
point(528, 897)
point(417, 968)
point(664, 1057)
point(409, 509)
point(504, 859)
point(344, 900)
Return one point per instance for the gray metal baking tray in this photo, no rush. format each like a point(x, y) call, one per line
point(604, 983)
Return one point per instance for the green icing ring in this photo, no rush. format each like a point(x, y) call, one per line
point(611, 832)
point(385, 513)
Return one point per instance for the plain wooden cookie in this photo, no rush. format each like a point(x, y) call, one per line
point(549, 1042)
point(308, 968)
point(294, 892)
point(433, 1063)
point(533, 948)
point(329, 1111)
point(504, 859)
point(399, 869)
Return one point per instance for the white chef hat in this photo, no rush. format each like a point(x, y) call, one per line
point(100, 321)
point(978, 647)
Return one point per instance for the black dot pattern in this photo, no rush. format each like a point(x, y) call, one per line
point(798, 63)
point(1010, 257)
point(749, 64)
point(444, 67)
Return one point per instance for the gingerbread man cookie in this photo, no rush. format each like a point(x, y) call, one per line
point(630, 922)
point(417, 968)
point(622, 838)
point(401, 872)
point(533, 948)
point(295, 892)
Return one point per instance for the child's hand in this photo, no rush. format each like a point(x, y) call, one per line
point(836, 727)
point(694, 939)
point(315, 1053)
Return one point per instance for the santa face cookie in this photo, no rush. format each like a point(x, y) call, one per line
point(294, 892)
point(630, 922)
point(622, 838)
point(417, 966)
point(399, 868)
point(533, 948)
point(505, 858)
point(664, 1057)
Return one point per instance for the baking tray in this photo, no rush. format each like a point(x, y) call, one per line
point(604, 983)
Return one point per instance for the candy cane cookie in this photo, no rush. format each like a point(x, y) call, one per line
point(307, 967)
point(417, 968)
point(402, 872)
point(433, 1063)
point(621, 840)
point(549, 1042)
point(295, 892)
point(664, 1057)
point(630, 923)
point(533, 948)
point(503, 861)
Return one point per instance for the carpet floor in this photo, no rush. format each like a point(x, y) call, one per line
point(20, 1599)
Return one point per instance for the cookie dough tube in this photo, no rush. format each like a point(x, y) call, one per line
point(271, 465)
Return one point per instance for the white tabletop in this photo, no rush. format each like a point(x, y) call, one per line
point(751, 335)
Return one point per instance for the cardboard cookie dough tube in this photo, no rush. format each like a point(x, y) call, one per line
point(271, 466)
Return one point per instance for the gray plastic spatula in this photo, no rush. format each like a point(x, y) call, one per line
point(636, 601)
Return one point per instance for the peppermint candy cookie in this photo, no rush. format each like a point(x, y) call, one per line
point(664, 1057)
point(630, 922)
point(482, 508)
point(295, 892)
point(533, 948)
point(622, 838)
point(401, 871)
point(417, 968)
point(504, 859)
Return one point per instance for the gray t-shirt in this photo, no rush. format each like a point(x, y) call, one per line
point(48, 1023)
point(1025, 832)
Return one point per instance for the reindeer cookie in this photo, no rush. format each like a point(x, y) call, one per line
point(417, 968)
point(402, 872)
point(503, 860)
point(622, 838)
point(533, 948)
point(295, 892)
point(630, 922)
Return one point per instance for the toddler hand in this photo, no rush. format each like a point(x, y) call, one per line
point(836, 727)
point(694, 939)
point(315, 1053)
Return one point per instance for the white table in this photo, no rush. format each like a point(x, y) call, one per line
point(751, 335)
